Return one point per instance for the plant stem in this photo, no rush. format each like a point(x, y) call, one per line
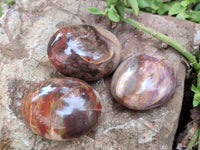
point(193, 140)
point(198, 79)
point(167, 40)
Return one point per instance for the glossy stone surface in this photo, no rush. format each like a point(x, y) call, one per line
point(84, 51)
point(61, 108)
point(143, 81)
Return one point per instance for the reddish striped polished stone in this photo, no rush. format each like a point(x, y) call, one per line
point(61, 108)
point(143, 81)
point(84, 52)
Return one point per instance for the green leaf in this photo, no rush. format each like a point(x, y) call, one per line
point(156, 4)
point(197, 7)
point(171, 3)
point(112, 14)
point(153, 11)
point(113, 2)
point(195, 103)
point(120, 9)
point(163, 9)
point(194, 89)
point(185, 3)
point(9, 2)
point(96, 11)
point(144, 3)
point(182, 15)
point(128, 10)
point(108, 4)
point(124, 3)
point(134, 6)
point(197, 96)
point(176, 9)
point(195, 16)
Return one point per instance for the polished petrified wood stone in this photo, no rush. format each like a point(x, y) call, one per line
point(143, 81)
point(84, 51)
point(61, 108)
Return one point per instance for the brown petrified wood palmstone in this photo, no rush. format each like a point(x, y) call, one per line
point(84, 51)
point(61, 108)
point(143, 81)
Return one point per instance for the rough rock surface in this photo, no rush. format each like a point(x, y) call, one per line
point(24, 33)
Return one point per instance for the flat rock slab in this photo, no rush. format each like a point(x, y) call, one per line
point(24, 33)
